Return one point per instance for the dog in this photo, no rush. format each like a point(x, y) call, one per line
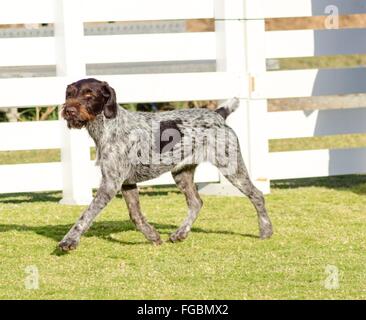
point(137, 146)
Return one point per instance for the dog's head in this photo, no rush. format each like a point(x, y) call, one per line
point(87, 98)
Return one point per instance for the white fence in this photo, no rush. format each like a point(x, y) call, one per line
point(240, 45)
point(70, 50)
point(308, 83)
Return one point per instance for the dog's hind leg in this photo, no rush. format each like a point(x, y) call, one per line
point(131, 196)
point(240, 179)
point(184, 180)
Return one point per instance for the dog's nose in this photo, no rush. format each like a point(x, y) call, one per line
point(70, 111)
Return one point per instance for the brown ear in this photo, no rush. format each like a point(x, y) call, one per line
point(110, 107)
point(70, 90)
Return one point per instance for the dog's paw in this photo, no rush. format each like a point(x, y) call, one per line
point(266, 233)
point(178, 236)
point(68, 244)
point(157, 242)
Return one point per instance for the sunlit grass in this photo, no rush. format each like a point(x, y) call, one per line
point(317, 223)
point(326, 142)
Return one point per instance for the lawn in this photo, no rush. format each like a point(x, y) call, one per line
point(318, 223)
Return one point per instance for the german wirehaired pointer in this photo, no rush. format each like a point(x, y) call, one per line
point(137, 146)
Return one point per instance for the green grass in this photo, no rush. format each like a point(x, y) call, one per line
point(34, 156)
point(316, 143)
point(318, 222)
point(30, 156)
point(323, 62)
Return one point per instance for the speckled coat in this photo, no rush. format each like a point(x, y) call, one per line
point(136, 146)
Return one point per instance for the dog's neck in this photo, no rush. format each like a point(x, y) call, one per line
point(101, 127)
point(96, 128)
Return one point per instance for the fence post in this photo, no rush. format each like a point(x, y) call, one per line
point(235, 50)
point(75, 151)
point(257, 108)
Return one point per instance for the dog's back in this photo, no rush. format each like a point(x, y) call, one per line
point(169, 141)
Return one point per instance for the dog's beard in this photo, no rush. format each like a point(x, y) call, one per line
point(75, 124)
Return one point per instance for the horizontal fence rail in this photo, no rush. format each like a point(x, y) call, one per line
point(101, 28)
point(31, 91)
point(308, 43)
point(301, 124)
point(31, 177)
point(152, 47)
point(115, 48)
point(148, 10)
point(308, 83)
point(48, 177)
point(43, 11)
point(33, 11)
point(317, 163)
point(31, 135)
point(35, 51)
point(129, 88)
point(301, 8)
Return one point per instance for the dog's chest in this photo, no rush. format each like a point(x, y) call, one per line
point(140, 173)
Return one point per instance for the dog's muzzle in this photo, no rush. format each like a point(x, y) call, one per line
point(71, 115)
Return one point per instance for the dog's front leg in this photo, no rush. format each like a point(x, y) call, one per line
point(105, 194)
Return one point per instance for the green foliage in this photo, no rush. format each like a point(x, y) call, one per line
point(3, 117)
point(36, 113)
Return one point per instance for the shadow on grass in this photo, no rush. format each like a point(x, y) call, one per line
point(17, 198)
point(159, 191)
point(353, 183)
point(105, 229)
point(55, 196)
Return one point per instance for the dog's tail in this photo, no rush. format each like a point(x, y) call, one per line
point(228, 107)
